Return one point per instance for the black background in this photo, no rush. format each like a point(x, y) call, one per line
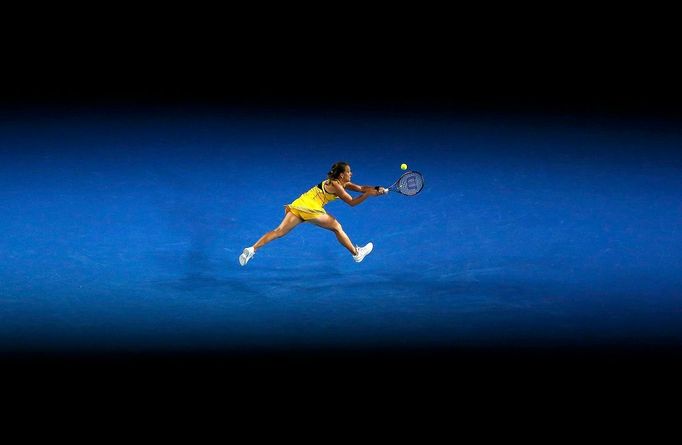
point(571, 60)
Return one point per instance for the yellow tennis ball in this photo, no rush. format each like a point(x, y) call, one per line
point(403, 166)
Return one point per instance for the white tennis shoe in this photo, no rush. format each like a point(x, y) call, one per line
point(246, 255)
point(363, 252)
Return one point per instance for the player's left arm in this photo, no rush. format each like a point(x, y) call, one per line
point(359, 188)
point(366, 188)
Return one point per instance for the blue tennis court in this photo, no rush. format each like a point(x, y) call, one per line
point(121, 230)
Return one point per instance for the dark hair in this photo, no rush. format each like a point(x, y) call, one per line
point(336, 170)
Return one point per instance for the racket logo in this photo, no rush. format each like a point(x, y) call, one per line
point(411, 183)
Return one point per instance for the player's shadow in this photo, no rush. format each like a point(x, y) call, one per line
point(204, 285)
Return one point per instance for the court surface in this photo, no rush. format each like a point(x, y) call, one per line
point(121, 231)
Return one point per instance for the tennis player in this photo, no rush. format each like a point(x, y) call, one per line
point(309, 207)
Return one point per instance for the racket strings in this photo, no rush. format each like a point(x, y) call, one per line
point(411, 183)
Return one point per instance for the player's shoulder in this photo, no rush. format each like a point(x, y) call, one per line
point(332, 186)
point(335, 183)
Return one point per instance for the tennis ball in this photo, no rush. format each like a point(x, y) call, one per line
point(403, 166)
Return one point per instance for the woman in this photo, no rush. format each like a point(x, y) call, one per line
point(309, 207)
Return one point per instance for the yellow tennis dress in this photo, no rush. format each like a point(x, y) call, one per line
point(311, 204)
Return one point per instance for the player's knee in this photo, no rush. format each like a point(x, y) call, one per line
point(336, 227)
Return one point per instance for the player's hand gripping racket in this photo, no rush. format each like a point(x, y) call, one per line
point(409, 184)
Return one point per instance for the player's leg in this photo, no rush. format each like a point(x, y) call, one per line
point(330, 223)
point(289, 222)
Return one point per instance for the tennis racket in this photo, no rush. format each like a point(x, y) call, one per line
point(409, 184)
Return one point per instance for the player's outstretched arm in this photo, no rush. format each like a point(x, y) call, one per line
point(365, 188)
point(345, 197)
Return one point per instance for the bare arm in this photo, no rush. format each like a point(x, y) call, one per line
point(366, 191)
point(359, 188)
